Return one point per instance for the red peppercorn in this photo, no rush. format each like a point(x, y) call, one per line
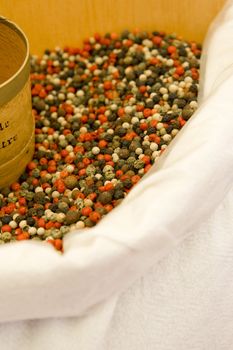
point(22, 210)
point(107, 157)
point(154, 138)
point(31, 165)
point(15, 186)
point(171, 49)
point(35, 182)
point(181, 121)
point(143, 126)
point(119, 173)
point(92, 196)
point(52, 169)
point(69, 159)
point(86, 211)
point(154, 61)
point(6, 228)
point(147, 112)
point(107, 85)
point(146, 159)
point(22, 201)
point(108, 207)
point(147, 168)
point(48, 225)
point(82, 172)
point(84, 119)
point(18, 231)
point(102, 118)
point(179, 70)
point(57, 244)
point(157, 40)
point(135, 179)
point(98, 205)
point(9, 208)
point(102, 144)
point(41, 222)
point(94, 216)
point(109, 186)
point(61, 188)
point(53, 108)
point(23, 236)
point(143, 89)
point(101, 188)
point(153, 123)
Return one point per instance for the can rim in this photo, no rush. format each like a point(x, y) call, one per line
point(11, 87)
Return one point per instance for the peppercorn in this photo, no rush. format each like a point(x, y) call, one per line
point(181, 103)
point(89, 223)
point(120, 131)
point(127, 183)
point(5, 191)
point(20, 218)
point(105, 197)
point(118, 194)
point(102, 211)
point(123, 153)
point(6, 219)
point(6, 236)
point(39, 105)
point(62, 207)
point(70, 182)
point(39, 198)
point(187, 112)
point(151, 130)
point(138, 164)
point(30, 221)
point(72, 217)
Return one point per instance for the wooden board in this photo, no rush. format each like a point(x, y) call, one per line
point(51, 23)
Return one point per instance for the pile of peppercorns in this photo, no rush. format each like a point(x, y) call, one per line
point(104, 113)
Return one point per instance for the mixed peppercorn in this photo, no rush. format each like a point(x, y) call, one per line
point(104, 113)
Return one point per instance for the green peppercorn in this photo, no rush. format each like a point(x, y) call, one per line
point(71, 182)
point(101, 210)
point(6, 236)
point(109, 175)
point(123, 153)
point(187, 112)
point(118, 194)
point(63, 207)
point(105, 197)
point(131, 160)
point(90, 170)
point(139, 164)
point(72, 217)
point(127, 183)
point(88, 222)
point(39, 105)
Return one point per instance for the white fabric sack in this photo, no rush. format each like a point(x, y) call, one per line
point(182, 190)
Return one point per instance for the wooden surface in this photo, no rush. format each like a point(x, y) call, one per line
point(51, 23)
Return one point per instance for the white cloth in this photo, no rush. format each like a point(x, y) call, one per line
point(184, 302)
